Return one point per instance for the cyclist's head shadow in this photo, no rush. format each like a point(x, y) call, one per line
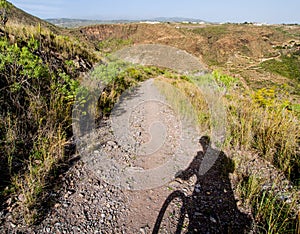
point(226, 167)
point(211, 208)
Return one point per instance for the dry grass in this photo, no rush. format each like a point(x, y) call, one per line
point(272, 214)
point(273, 132)
point(258, 122)
point(186, 99)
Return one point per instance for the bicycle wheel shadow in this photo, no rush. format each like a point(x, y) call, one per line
point(212, 207)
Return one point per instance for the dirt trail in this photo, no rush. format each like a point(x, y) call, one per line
point(88, 204)
point(140, 167)
point(143, 133)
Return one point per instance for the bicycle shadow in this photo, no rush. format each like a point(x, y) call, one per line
point(212, 207)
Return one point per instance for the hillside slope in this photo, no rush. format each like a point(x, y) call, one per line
point(238, 50)
point(18, 16)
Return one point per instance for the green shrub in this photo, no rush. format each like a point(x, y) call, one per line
point(35, 120)
point(225, 80)
point(288, 66)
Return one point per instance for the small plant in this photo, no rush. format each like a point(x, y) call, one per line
point(225, 80)
point(265, 97)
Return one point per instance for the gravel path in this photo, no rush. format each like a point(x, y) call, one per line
point(174, 195)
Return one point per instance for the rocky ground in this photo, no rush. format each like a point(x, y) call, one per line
point(99, 194)
point(85, 204)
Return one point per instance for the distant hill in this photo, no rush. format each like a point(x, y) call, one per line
point(178, 19)
point(71, 23)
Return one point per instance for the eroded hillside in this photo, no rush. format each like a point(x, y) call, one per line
point(238, 50)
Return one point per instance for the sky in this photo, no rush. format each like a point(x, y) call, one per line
point(263, 11)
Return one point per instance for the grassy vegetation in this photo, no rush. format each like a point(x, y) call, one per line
point(113, 44)
point(34, 101)
point(260, 122)
point(186, 99)
point(60, 43)
point(286, 32)
point(288, 66)
point(118, 76)
point(272, 130)
point(39, 72)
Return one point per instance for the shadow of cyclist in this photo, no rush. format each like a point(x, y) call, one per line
point(212, 207)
